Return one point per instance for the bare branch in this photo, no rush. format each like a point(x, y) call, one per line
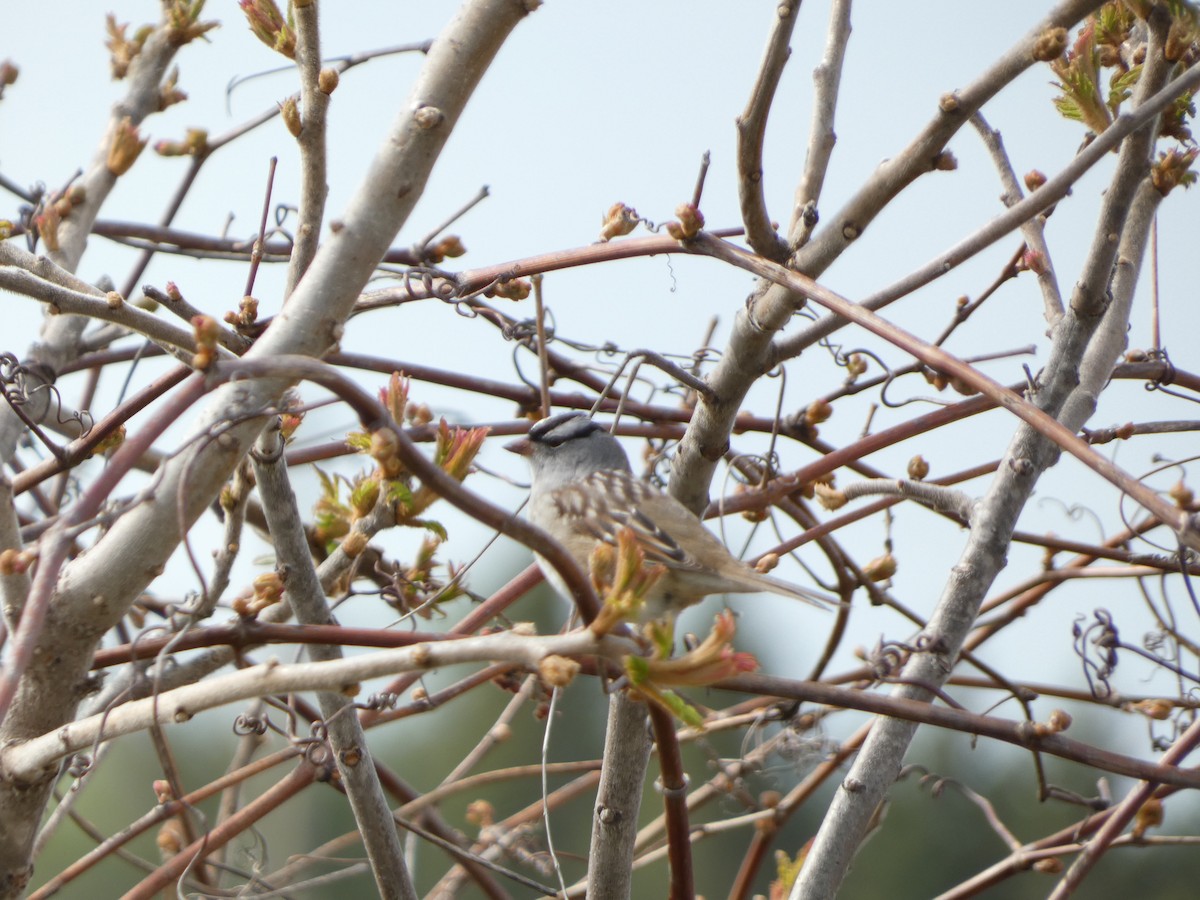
point(1037, 202)
point(827, 79)
point(310, 325)
point(307, 599)
point(1033, 230)
point(752, 128)
point(313, 103)
point(1063, 436)
point(619, 798)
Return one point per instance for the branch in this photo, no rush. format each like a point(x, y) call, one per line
point(313, 105)
point(1034, 448)
point(827, 77)
point(1033, 229)
point(269, 800)
point(307, 599)
point(373, 415)
point(673, 782)
point(1065, 438)
point(1019, 733)
point(60, 334)
point(618, 799)
point(752, 127)
point(14, 587)
point(901, 169)
point(82, 447)
point(156, 816)
point(130, 554)
point(750, 351)
point(23, 762)
point(64, 301)
point(1036, 203)
point(930, 494)
point(1122, 816)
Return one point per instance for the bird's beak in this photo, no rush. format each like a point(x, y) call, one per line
point(520, 446)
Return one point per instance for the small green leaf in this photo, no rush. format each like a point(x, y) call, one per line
point(399, 492)
point(328, 485)
point(637, 668)
point(430, 525)
point(682, 710)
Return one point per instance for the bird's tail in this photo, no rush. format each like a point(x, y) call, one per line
point(773, 585)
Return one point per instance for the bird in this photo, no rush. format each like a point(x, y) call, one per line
point(583, 492)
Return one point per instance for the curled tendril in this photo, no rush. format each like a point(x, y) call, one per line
point(1159, 641)
point(385, 700)
point(532, 384)
point(659, 463)
point(1100, 639)
point(1179, 723)
point(913, 768)
point(1183, 716)
point(316, 753)
point(444, 286)
point(1076, 512)
point(838, 352)
point(841, 357)
point(82, 418)
point(891, 378)
point(602, 352)
point(20, 383)
point(16, 377)
point(525, 330)
point(284, 211)
point(1160, 384)
point(1168, 376)
point(246, 724)
point(928, 643)
point(936, 784)
point(705, 354)
point(9, 364)
point(766, 466)
point(888, 657)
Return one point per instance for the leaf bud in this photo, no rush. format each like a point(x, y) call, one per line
point(1050, 44)
point(327, 81)
point(918, 468)
point(620, 220)
point(290, 111)
point(881, 568)
point(1034, 179)
point(127, 144)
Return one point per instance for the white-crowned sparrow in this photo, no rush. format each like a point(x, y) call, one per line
point(583, 492)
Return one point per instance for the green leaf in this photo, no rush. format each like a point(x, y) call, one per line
point(637, 668)
point(399, 492)
point(682, 710)
point(431, 526)
point(328, 485)
point(1120, 88)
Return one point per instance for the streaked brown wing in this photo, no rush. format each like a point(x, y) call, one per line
point(623, 495)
